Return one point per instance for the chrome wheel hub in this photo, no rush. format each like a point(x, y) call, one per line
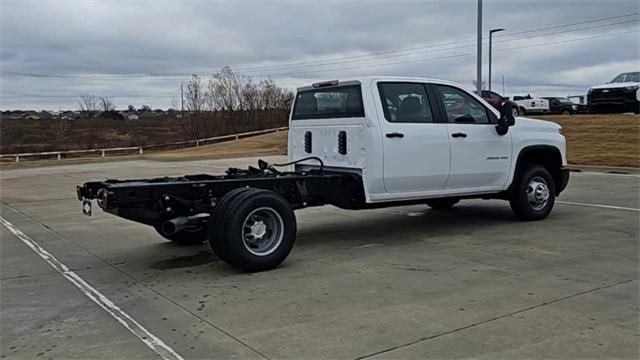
point(258, 230)
point(538, 193)
point(262, 231)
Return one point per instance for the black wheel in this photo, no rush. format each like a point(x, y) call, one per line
point(515, 111)
point(189, 236)
point(442, 204)
point(215, 227)
point(522, 111)
point(253, 229)
point(533, 193)
point(566, 112)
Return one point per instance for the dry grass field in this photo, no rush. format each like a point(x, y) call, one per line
point(267, 144)
point(607, 139)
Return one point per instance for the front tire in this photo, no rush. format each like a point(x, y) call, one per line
point(254, 230)
point(533, 194)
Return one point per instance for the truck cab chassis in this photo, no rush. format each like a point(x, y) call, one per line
point(359, 144)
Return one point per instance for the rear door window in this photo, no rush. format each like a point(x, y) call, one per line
point(405, 102)
point(333, 102)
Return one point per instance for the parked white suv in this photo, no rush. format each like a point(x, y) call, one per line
point(357, 144)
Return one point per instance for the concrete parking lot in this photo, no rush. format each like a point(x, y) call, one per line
point(403, 283)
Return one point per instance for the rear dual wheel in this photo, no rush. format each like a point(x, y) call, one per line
point(252, 229)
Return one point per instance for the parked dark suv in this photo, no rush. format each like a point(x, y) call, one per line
point(622, 94)
point(561, 105)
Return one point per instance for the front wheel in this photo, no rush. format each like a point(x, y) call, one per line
point(254, 230)
point(533, 193)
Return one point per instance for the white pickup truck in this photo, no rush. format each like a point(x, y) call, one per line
point(357, 144)
point(530, 105)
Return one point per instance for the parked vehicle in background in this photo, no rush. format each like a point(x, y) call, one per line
point(529, 105)
point(496, 100)
point(580, 101)
point(561, 105)
point(622, 94)
point(364, 143)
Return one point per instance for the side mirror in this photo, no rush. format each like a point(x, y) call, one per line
point(506, 119)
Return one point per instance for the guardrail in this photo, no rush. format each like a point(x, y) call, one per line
point(140, 149)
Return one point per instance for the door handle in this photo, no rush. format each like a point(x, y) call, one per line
point(395, 135)
point(459, 134)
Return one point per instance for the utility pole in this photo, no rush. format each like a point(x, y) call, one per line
point(503, 86)
point(181, 99)
point(479, 60)
point(491, 48)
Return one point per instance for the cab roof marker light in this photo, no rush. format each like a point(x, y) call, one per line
point(325, 83)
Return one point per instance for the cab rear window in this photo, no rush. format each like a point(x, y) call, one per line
point(333, 102)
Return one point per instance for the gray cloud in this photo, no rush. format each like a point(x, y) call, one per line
point(138, 51)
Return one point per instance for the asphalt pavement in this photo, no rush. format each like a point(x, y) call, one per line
point(401, 283)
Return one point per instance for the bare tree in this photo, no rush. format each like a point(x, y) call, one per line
point(106, 105)
point(131, 108)
point(225, 88)
point(194, 95)
point(88, 104)
point(60, 128)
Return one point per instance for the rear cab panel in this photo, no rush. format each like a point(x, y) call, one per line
point(333, 121)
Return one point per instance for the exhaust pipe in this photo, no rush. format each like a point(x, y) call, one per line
point(173, 226)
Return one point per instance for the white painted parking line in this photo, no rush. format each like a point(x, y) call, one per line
point(599, 206)
point(152, 341)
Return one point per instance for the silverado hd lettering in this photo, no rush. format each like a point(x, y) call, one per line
point(359, 144)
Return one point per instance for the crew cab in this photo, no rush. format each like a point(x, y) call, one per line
point(527, 104)
point(622, 94)
point(357, 144)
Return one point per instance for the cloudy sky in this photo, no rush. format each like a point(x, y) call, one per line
point(137, 52)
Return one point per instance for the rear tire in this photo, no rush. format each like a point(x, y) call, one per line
point(214, 225)
point(442, 204)
point(254, 230)
point(533, 193)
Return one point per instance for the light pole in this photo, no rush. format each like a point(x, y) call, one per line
point(490, 48)
point(479, 56)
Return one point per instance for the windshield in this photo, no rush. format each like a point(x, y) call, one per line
point(627, 77)
point(333, 102)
